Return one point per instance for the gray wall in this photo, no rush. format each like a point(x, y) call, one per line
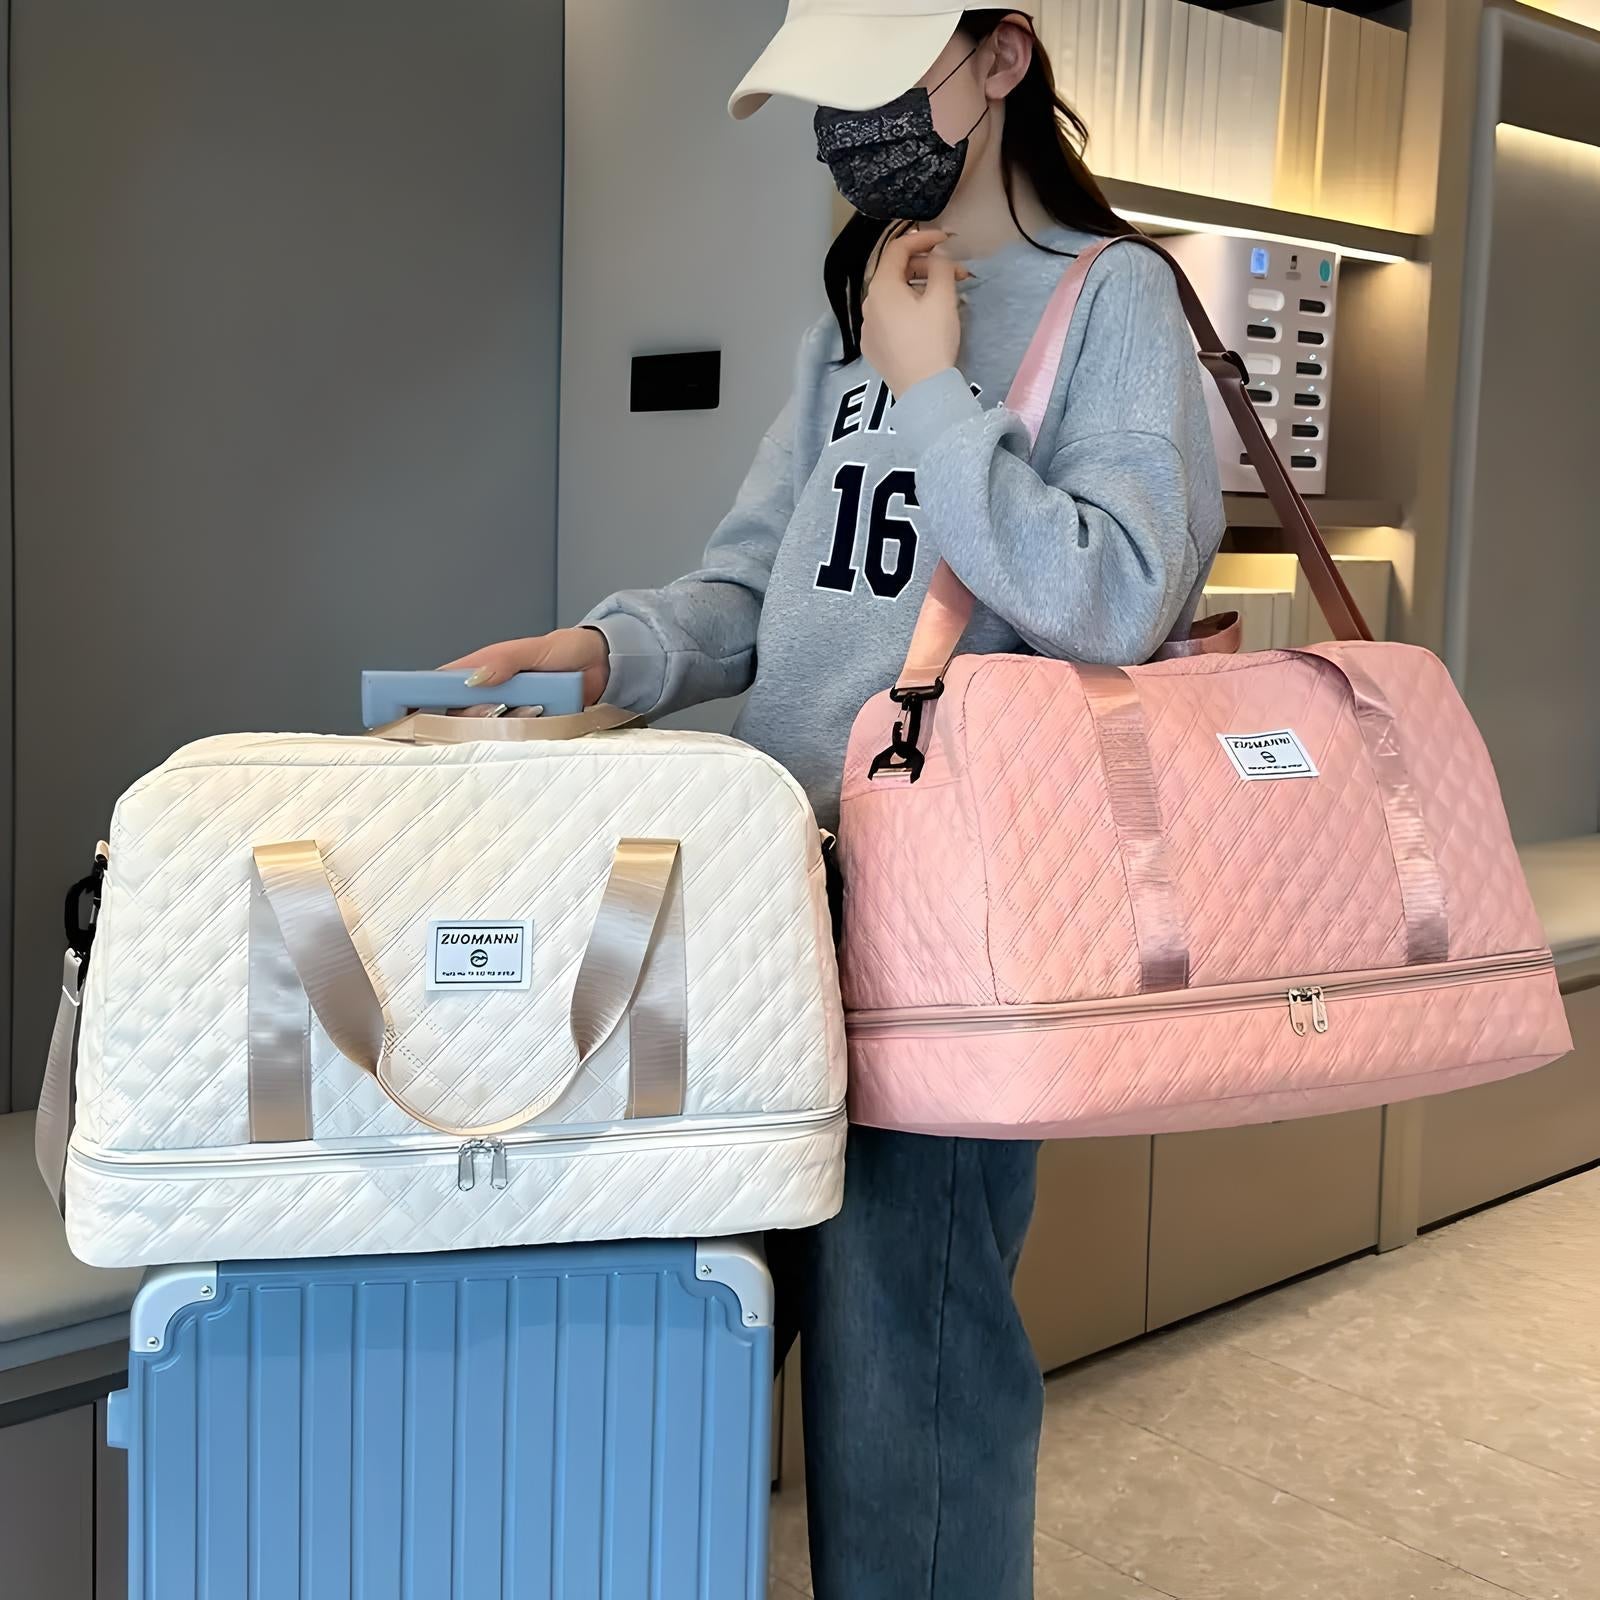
point(6, 687)
point(684, 230)
point(287, 288)
point(1534, 558)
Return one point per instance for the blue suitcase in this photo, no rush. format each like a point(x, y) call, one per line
point(573, 1423)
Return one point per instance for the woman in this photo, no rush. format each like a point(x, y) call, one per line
point(923, 1400)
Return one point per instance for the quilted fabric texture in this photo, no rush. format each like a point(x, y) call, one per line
point(913, 918)
point(687, 1189)
point(1157, 1074)
point(1490, 906)
point(480, 831)
point(1014, 847)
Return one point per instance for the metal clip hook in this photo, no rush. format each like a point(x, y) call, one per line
point(904, 758)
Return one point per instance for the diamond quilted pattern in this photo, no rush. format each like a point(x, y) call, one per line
point(1166, 1074)
point(916, 906)
point(688, 1191)
point(1054, 866)
point(1276, 879)
point(1280, 879)
point(484, 831)
point(1491, 909)
point(1279, 882)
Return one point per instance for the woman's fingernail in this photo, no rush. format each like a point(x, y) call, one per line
point(480, 677)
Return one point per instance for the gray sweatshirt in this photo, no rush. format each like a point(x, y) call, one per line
point(1092, 547)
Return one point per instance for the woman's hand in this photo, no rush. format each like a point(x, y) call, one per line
point(911, 321)
point(566, 650)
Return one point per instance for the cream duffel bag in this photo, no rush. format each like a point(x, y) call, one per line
point(383, 994)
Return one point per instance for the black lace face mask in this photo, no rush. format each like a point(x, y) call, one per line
point(891, 164)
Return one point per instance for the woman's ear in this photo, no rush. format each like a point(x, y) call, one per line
point(1012, 44)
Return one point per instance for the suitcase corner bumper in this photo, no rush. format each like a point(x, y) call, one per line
point(740, 1266)
point(166, 1292)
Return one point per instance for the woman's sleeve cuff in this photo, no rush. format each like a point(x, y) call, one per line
point(926, 412)
point(638, 663)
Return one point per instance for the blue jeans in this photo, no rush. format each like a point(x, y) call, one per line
point(923, 1401)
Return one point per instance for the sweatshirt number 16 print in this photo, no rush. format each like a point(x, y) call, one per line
point(891, 541)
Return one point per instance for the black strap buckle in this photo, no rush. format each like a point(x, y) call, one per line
point(1226, 358)
point(904, 757)
point(83, 909)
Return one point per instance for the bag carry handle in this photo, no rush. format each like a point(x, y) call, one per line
point(58, 1097)
point(948, 608)
point(58, 1094)
point(388, 696)
point(508, 727)
point(302, 956)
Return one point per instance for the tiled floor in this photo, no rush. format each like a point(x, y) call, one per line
point(1416, 1425)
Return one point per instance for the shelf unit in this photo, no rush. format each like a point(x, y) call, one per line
point(1175, 211)
point(1254, 511)
point(1388, 12)
point(1400, 325)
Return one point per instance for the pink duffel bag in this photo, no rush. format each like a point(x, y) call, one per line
point(1217, 890)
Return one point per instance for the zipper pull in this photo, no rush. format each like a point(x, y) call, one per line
point(1312, 1000)
point(1319, 1011)
point(467, 1165)
point(1298, 998)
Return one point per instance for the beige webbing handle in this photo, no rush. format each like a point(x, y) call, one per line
point(633, 969)
point(52, 1129)
point(428, 728)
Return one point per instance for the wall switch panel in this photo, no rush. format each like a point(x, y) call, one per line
point(1277, 305)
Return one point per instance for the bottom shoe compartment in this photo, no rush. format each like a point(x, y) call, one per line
point(678, 1178)
point(1230, 1055)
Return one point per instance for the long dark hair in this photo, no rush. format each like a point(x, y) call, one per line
point(1044, 140)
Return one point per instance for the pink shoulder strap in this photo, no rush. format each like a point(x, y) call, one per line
point(948, 607)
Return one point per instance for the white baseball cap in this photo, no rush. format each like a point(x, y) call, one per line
point(855, 55)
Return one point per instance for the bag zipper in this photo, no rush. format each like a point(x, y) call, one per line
point(1307, 1003)
point(301, 1160)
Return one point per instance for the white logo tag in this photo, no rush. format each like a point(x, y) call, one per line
point(479, 956)
point(1264, 757)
